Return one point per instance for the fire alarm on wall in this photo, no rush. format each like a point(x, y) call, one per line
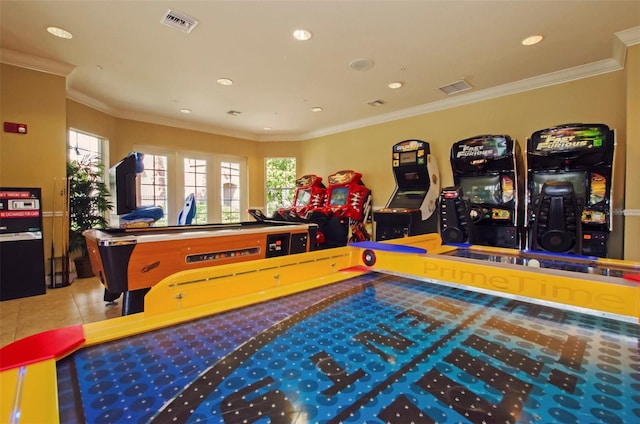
point(13, 127)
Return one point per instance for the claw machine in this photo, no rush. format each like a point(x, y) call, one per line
point(21, 244)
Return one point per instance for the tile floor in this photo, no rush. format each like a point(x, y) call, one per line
point(79, 303)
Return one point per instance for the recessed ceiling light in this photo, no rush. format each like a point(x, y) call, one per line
point(224, 81)
point(267, 128)
point(361, 64)
point(185, 111)
point(59, 32)
point(531, 40)
point(316, 109)
point(395, 85)
point(302, 34)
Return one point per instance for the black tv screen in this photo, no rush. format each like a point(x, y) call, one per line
point(339, 196)
point(408, 157)
point(122, 180)
point(577, 179)
point(303, 198)
point(482, 190)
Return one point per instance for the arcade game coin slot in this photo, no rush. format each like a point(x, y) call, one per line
point(488, 171)
point(410, 210)
point(581, 157)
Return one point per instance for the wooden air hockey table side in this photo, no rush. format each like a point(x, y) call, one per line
point(131, 261)
point(371, 332)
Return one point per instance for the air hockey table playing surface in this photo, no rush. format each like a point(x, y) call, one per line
point(375, 348)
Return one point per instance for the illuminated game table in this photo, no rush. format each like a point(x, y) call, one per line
point(362, 333)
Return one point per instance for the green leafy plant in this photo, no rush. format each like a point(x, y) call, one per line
point(88, 200)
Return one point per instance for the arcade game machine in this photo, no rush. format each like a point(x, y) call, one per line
point(569, 189)
point(21, 243)
point(310, 194)
point(346, 212)
point(487, 206)
point(410, 210)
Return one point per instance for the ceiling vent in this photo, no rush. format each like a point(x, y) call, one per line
point(456, 87)
point(233, 112)
point(376, 103)
point(179, 21)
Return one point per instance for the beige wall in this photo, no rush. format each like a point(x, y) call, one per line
point(38, 158)
point(39, 100)
point(632, 191)
point(130, 133)
point(599, 99)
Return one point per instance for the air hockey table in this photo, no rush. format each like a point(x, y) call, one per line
point(368, 333)
point(132, 260)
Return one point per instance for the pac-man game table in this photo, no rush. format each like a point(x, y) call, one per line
point(368, 333)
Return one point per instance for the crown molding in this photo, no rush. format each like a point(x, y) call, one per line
point(533, 83)
point(630, 37)
point(23, 60)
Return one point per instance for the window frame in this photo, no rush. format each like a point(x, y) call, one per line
point(291, 189)
point(175, 178)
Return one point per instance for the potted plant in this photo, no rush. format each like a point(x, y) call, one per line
point(88, 204)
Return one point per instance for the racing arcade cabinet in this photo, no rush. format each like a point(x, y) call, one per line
point(569, 189)
point(346, 211)
point(410, 210)
point(486, 207)
point(310, 194)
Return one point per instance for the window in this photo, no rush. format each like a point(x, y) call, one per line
point(218, 183)
point(281, 183)
point(195, 182)
point(230, 191)
point(81, 145)
point(154, 184)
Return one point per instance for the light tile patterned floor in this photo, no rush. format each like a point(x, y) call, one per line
point(79, 303)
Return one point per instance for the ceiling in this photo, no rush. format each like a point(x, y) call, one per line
point(123, 61)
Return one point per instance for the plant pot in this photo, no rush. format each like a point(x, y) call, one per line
point(83, 267)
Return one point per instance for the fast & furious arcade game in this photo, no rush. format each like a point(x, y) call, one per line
point(569, 189)
point(410, 210)
point(487, 172)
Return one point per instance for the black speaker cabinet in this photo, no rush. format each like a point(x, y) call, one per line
point(454, 216)
point(556, 226)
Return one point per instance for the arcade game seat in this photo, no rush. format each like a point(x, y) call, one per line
point(556, 219)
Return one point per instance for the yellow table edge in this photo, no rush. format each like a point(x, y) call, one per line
point(169, 302)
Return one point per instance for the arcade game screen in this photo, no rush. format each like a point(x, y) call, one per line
point(482, 190)
point(339, 196)
point(578, 179)
point(304, 196)
point(408, 157)
point(407, 199)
